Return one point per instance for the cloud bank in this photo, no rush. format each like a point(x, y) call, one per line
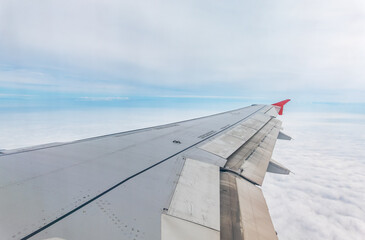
point(325, 198)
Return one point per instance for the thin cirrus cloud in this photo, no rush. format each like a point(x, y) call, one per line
point(255, 46)
point(103, 98)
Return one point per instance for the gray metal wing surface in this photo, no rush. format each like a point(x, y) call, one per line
point(196, 179)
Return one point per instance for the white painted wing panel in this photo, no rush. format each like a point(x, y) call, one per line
point(242, 132)
point(173, 228)
point(272, 112)
point(255, 166)
point(257, 121)
point(196, 197)
point(255, 217)
point(261, 117)
point(223, 145)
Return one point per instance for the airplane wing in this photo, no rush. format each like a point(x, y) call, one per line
point(196, 179)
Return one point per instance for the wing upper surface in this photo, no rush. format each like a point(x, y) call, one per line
point(121, 184)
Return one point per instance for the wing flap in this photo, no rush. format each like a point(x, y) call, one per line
point(223, 146)
point(252, 159)
point(194, 209)
point(255, 217)
point(244, 213)
point(196, 197)
point(255, 166)
point(228, 143)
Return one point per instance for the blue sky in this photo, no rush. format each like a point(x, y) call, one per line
point(311, 51)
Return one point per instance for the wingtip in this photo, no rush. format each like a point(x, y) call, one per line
point(281, 105)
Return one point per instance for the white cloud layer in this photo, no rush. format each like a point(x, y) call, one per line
point(325, 198)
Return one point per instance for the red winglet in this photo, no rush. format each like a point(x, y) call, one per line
point(281, 105)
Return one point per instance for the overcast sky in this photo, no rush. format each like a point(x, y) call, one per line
point(116, 52)
point(276, 49)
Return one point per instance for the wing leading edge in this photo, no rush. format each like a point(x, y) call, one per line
point(196, 179)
